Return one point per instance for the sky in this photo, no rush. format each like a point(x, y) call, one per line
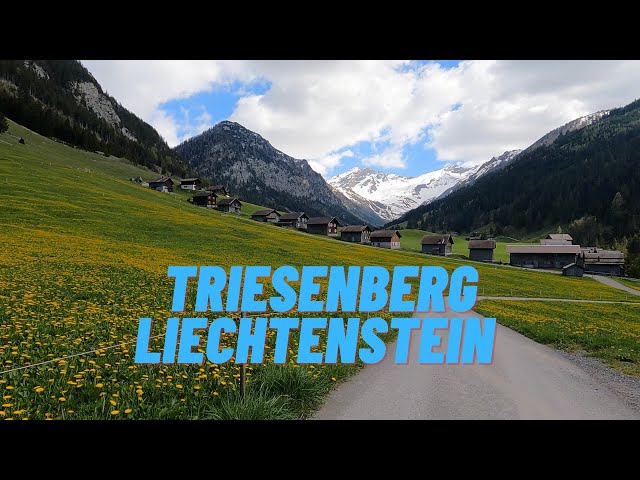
point(405, 116)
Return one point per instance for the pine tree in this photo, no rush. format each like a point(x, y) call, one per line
point(4, 125)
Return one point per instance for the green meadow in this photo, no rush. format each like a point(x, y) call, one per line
point(85, 254)
point(411, 241)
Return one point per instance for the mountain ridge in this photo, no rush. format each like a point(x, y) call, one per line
point(252, 168)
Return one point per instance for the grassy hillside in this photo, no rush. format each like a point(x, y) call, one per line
point(607, 331)
point(85, 255)
point(411, 241)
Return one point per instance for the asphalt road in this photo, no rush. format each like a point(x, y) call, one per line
point(526, 381)
point(612, 283)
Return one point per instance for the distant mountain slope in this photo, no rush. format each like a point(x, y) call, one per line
point(391, 195)
point(252, 168)
point(590, 170)
point(61, 99)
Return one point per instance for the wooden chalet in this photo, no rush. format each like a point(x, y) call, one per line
point(597, 260)
point(218, 190)
point(323, 226)
point(385, 239)
point(437, 244)
point(190, 184)
point(542, 256)
point(162, 184)
point(356, 234)
point(204, 199)
point(293, 220)
point(481, 250)
point(268, 215)
point(229, 205)
point(557, 239)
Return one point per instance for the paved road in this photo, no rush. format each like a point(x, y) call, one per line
point(526, 381)
point(612, 283)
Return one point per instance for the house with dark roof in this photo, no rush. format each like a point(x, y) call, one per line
point(323, 226)
point(481, 250)
point(385, 239)
point(557, 239)
point(204, 199)
point(162, 184)
point(597, 260)
point(269, 215)
point(356, 234)
point(190, 184)
point(229, 205)
point(573, 270)
point(218, 190)
point(437, 244)
point(293, 220)
point(542, 256)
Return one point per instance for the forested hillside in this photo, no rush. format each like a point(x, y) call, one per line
point(61, 99)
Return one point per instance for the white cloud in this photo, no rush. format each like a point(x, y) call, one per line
point(389, 158)
point(319, 109)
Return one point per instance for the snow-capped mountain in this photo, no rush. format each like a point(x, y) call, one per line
point(391, 195)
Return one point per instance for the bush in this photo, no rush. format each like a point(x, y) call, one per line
point(292, 383)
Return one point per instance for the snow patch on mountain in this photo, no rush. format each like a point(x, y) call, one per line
point(391, 195)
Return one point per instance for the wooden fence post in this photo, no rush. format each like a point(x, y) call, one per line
point(243, 374)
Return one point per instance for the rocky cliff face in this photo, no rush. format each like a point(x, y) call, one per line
point(250, 167)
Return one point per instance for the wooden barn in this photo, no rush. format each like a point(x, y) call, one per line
point(437, 244)
point(269, 215)
point(557, 239)
point(542, 256)
point(218, 190)
point(572, 270)
point(294, 220)
point(162, 184)
point(385, 239)
point(597, 260)
point(229, 205)
point(481, 250)
point(323, 226)
point(190, 184)
point(356, 234)
point(204, 199)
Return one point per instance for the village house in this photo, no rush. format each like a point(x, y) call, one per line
point(323, 226)
point(385, 239)
point(542, 256)
point(190, 184)
point(229, 205)
point(557, 239)
point(481, 250)
point(162, 184)
point(597, 260)
point(437, 244)
point(573, 270)
point(294, 220)
point(269, 215)
point(218, 190)
point(204, 199)
point(356, 234)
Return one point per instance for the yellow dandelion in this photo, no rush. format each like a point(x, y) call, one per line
point(39, 389)
point(115, 412)
point(9, 387)
point(99, 385)
point(333, 378)
point(197, 387)
point(128, 411)
point(178, 386)
point(113, 402)
point(139, 391)
point(62, 399)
